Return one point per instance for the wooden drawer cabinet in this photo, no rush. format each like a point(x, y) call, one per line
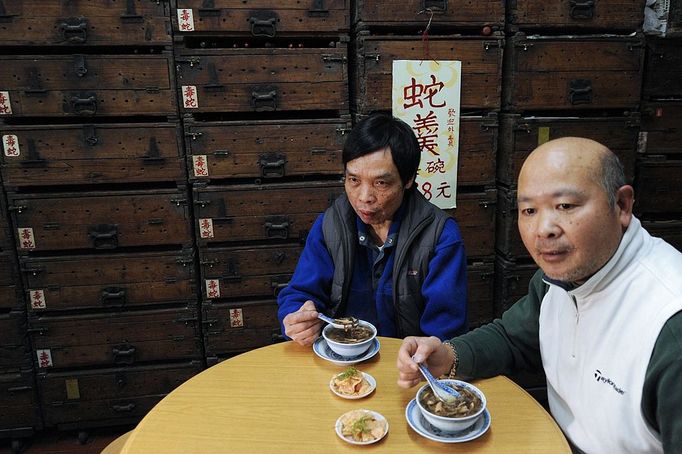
point(20, 410)
point(511, 282)
point(657, 186)
point(663, 69)
point(508, 240)
point(13, 341)
point(661, 127)
point(480, 293)
point(475, 215)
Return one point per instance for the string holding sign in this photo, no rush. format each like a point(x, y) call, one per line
point(425, 35)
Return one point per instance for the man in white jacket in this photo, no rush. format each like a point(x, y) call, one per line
point(602, 318)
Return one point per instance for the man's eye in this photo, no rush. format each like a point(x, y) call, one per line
point(528, 211)
point(565, 206)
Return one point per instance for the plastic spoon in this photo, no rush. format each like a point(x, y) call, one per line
point(441, 391)
point(341, 323)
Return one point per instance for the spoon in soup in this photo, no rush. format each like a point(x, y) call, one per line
point(441, 391)
point(341, 323)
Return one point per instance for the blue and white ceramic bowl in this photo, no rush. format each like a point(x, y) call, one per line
point(452, 423)
point(350, 350)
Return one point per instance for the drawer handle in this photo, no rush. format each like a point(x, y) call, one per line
point(113, 296)
point(265, 24)
point(124, 354)
point(318, 9)
point(74, 30)
point(435, 6)
point(272, 165)
point(582, 9)
point(580, 91)
point(104, 236)
point(83, 104)
point(264, 98)
point(127, 408)
point(277, 227)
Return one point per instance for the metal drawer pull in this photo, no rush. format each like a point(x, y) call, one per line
point(263, 26)
point(264, 98)
point(113, 296)
point(580, 91)
point(104, 236)
point(435, 6)
point(272, 165)
point(74, 30)
point(277, 227)
point(124, 354)
point(83, 104)
point(582, 9)
point(123, 408)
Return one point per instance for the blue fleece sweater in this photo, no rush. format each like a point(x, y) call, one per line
point(371, 294)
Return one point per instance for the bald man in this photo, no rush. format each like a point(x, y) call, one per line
point(603, 315)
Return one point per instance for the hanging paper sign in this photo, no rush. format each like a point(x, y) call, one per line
point(426, 96)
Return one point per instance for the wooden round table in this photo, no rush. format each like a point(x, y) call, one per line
point(277, 399)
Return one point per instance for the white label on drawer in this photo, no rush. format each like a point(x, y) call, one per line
point(200, 164)
point(236, 318)
point(26, 239)
point(44, 358)
point(185, 20)
point(190, 99)
point(37, 299)
point(10, 144)
point(212, 288)
point(5, 105)
point(206, 228)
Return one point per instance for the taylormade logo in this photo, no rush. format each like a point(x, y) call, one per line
point(600, 378)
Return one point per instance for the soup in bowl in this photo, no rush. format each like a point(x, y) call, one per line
point(456, 416)
point(350, 341)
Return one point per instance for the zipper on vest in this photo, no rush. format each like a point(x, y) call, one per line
point(577, 323)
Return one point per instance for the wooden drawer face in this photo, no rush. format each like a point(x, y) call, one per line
point(92, 22)
point(100, 220)
point(481, 67)
point(265, 212)
point(8, 270)
point(575, 72)
point(477, 150)
point(247, 271)
point(237, 327)
point(571, 14)
point(10, 298)
point(115, 338)
point(661, 127)
point(511, 282)
point(475, 215)
point(109, 394)
point(106, 281)
point(265, 149)
point(87, 85)
point(85, 154)
point(669, 230)
point(13, 345)
point(480, 293)
point(262, 79)
point(657, 187)
point(19, 401)
point(508, 239)
point(262, 18)
point(663, 69)
point(446, 12)
point(521, 135)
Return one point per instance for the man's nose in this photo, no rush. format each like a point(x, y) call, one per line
point(366, 193)
point(547, 225)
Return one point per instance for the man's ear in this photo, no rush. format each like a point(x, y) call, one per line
point(625, 199)
point(409, 184)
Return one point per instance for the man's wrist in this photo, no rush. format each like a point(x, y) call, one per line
point(452, 372)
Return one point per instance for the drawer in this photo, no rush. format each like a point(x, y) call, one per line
point(446, 13)
point(83, 23)
point(263, 79)
point(668, 229)
point(100, 220)
point(126, 280)
point(255, 271)
point(260, 18)
point(11, 298)
point(239, 326)
point(124, 338)
point(480, 293)
point(20, 407)
point(13, 341)
point(522, 134)
point(661, 131)
point(508, 239)
point(265, 149)
point(511, 282)
point(481, 67)
point(657, 185)
point(663, 68)
point(92, 154)
point(572, 15)
point(260, 212)
point(573, 72)
point(87, 85)
point(111, 395)
point(475, 215)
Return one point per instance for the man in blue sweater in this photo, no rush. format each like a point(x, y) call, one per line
point(382, 252)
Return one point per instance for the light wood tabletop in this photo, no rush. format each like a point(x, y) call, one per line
point(277, 399)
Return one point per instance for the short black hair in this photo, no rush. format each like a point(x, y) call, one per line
point(378, 131)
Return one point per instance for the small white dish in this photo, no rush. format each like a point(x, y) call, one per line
point(372, 386)
point(377, 416)
point(322, 350)
point(426, 430)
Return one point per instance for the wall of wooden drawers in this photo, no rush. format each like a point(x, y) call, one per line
point(163, 161)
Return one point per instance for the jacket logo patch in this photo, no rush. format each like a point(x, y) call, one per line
point(600, 378)
point(412, 273)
